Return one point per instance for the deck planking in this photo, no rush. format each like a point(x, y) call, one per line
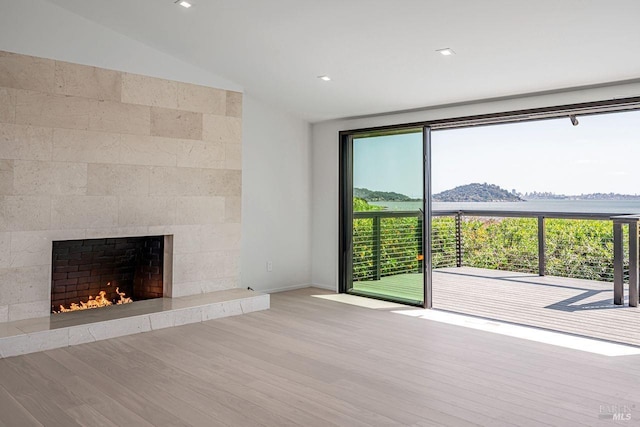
point(574, 306)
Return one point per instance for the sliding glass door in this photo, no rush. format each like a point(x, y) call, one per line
point(386, 188)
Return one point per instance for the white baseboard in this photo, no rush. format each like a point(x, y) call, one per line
point(294, 287)
point(327, 287)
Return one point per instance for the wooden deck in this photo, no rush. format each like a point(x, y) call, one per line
point(575, 306)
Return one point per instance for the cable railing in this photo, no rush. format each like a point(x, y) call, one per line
point(591, 246)
point(386, 243)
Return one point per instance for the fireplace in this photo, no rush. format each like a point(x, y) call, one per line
point(93, 273)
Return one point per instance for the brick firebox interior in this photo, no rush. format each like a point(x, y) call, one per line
point(90, 153)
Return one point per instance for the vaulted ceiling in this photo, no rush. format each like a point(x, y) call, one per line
point(381, 54)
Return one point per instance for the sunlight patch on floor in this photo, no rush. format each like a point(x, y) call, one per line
point(361, 301)
point(533, 334)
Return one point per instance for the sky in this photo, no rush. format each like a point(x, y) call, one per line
point(600, 155)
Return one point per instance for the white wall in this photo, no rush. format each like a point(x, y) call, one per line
point(276, 158)
point(324, 234)
point(276, 199)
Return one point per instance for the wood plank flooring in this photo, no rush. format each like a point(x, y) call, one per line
point(575, 306)
point(314, 362)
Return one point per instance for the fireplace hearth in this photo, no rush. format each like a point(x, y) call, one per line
point(95, 273)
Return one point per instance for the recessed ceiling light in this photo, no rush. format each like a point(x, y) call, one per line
point(445, 52)
point(325, 78)
point(184, 4)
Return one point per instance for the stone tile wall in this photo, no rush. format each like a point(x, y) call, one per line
point(92, 153)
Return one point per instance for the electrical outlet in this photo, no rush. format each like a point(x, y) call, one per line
point(269, 266)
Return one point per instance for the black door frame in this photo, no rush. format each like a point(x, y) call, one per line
point(345, 151)
point(346, 208)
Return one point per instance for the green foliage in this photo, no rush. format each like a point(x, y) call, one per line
point(361, 205)
point(380, 196)
point(501, 244)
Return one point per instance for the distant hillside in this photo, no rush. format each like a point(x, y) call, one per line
point(477, 193)
point(380, 196)
point(591, 196)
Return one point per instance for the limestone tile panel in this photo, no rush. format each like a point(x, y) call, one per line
point(88, 82)
point(4, 313)
point(8, 98)
point(220, 284)
point(173, 181)
point(234, 104)
point(52, 110)
point(190, 239)
point(119, 327)
point(80, 335)
point(26, 72)
point(186, 238)
point(5, 251)
point(28, 310)
point(124, 180)
point(227, 130)
point(233, 156)
point(149, 150)
point(197, 266)
point(6, 177)
point(33, 248)
point(204, 286)
point(30, 248)
point(201, 99)
point(100, 233)
point(200, 210)
point(117, 117)
point(151, 91)
point(18, 213)
point(55, 178)
point(176, 123)
point(186, 316)
point(257, 303)
point(24, 284)
point(35, 342)
point(229, 183)
point(85, 146)
point(232, 264)
point(136, 211)
point(233, 209)
point(23, 142)
point(197, 182)
point(162, 319)
point(74, 212)
point(223, 309)
point(201, 154)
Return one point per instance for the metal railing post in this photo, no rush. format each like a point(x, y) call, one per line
point(376, 248)
point(459, 239)
point(542, 247)
point(633, 264)
point(418, 237)
point(618, 259)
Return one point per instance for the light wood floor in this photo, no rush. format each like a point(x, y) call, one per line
point(313, 362)
point(575, 306)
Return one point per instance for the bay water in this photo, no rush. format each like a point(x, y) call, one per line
point(581, 206)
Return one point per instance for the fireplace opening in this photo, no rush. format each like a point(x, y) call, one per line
point(94, 273)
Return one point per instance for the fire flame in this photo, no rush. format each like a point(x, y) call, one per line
point(97, 302)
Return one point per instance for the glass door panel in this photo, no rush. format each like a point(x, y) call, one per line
point(387, 245)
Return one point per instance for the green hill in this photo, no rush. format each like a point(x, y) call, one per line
point(380, 196)
point(476, 192)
